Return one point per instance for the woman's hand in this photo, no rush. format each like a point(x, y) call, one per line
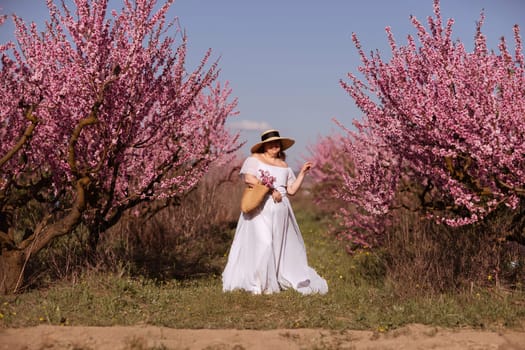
point(306, 167)
point(294, 187)
point(277, 196)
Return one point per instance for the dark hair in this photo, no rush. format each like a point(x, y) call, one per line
point(261, 149)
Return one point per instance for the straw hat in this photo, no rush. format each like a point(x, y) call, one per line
point(272, 135)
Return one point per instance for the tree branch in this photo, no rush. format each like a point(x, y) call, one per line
point(517, 190)
point(43, 236)
point(25, 137)
point(90, 120)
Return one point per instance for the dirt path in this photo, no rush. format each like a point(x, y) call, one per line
point(148, 337)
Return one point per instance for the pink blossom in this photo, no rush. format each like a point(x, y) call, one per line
point(266, 178)
point(109, 98)
point(439, 122)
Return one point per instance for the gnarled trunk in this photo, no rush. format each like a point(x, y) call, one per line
point(14, 255)
point(11, 270)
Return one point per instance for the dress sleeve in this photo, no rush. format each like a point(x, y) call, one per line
point(249, 166)
point(291, 177)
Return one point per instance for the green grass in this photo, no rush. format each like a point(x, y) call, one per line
point(356, 300)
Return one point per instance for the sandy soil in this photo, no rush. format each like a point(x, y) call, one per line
point(147, 337)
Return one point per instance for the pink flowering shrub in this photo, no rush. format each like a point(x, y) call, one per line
point(440, 133)
point(331, 162)
point(361, 221)
point(99, 115)
point(445, 119)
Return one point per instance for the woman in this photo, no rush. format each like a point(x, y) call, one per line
point(268, 253)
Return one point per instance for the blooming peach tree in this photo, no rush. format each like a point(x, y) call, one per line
point(342, 174)
point(441, 123)
point(99, 116)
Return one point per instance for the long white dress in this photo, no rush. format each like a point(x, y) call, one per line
point(268, 253)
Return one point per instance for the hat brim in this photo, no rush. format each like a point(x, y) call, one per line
point(285, 143)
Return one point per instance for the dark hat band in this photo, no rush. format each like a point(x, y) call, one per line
point(270, 134)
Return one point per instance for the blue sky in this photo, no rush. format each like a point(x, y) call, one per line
point(284, 58)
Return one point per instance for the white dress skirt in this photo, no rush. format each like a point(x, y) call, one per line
point(268, 253)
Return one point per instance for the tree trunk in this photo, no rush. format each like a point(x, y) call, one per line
point(12, 258)
point(11, 269)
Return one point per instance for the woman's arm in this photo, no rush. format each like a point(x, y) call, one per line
point(250, 179)
point(296, 185)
